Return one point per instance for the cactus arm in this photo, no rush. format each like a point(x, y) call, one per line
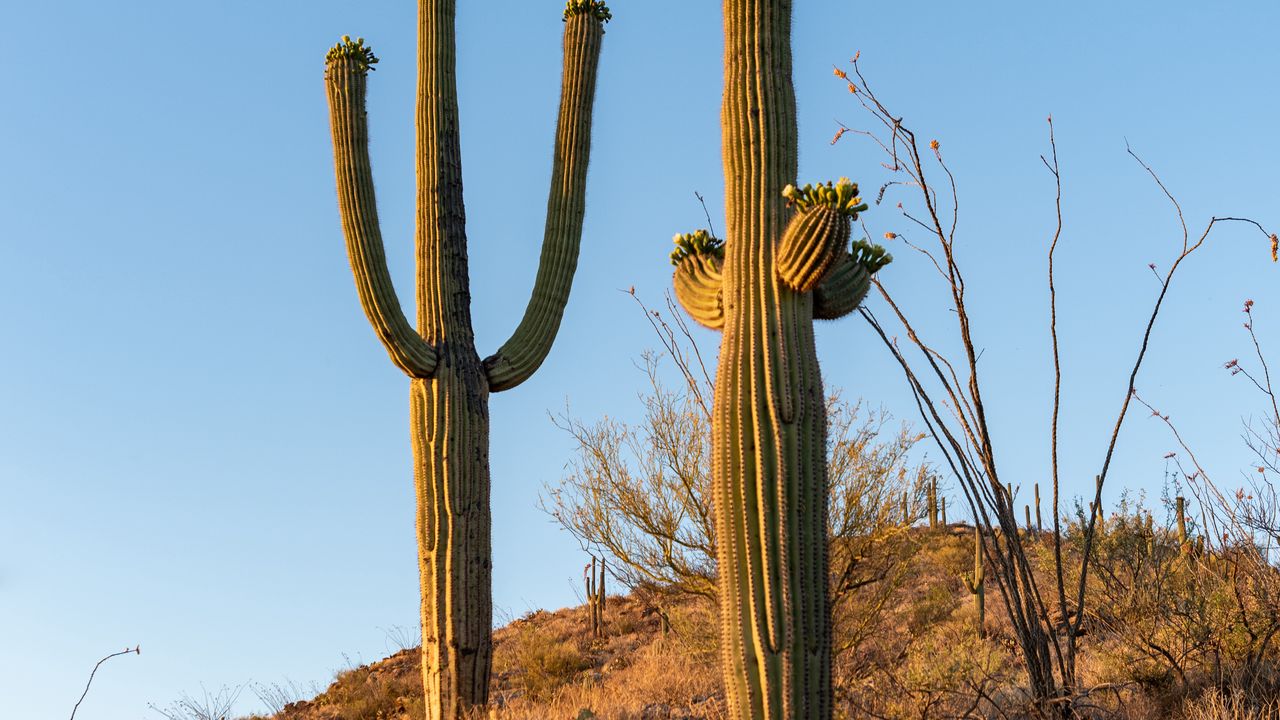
point(697, 283)
point(699, 259)
point(346, 77)
point(818, 233)
point(846, 284)
point(523, 353)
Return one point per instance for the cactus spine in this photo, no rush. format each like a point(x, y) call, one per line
point(449, 384)
point(785, 262)
point(977, 582)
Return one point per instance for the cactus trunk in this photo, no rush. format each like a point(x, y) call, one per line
point(933, 503)
point(1039, 520)
point(783, 263)
point(1180, 507)
point(769, 464)
point(450, 385)
point(976, 583)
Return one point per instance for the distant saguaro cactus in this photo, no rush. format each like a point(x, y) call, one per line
point(1180, 507)
point(1039, 521)
point(933, 503)
point(976, 583)
point(450, 385)
point(595, 589)
point(785, 261)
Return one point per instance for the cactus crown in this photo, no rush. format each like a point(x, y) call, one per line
point(357, 51)
point(870, 256)
point(696, 243)
point(596, 7)
point(842, 197)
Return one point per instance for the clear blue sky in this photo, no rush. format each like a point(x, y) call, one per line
point(203, 448)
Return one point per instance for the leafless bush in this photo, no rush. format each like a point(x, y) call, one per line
point(277, 696)
point(641, 494)
point(209, 706)
point(949, 393)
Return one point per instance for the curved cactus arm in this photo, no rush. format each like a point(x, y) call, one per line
point(846, 285)
point(842, 291)
point(697, 283)
point(699, 258)
point(528, 346)
point(818, 233)
point(346, 73)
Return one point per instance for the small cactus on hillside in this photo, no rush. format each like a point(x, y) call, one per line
point(932, 495)
point(593, 580)
point(976, 583)
point(1039, 521)
point(1180, 509)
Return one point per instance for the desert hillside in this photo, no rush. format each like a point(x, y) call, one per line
point(908, 646)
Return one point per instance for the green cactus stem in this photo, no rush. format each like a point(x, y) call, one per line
point(944, 512)
point(698, 258)
point(593, 579)
point(450, 385)
point(1039, 522)
point(976, 583)
point(932, 498)
point(1030, 528)
point(769, 421)
point(1180, 508)
point(843, 290)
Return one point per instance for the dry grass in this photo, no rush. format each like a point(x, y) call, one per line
point(918, 655)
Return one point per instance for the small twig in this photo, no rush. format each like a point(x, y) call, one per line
point(137, 650)
point(710, 228)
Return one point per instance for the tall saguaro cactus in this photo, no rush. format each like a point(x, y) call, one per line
point(449, 384)
point(785, 261)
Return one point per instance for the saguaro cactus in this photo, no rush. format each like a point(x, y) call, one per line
point(933, 503)
point(976, 583)
point(593, 580)
point(785, 261)
point(1180, 508)
point(449, 384)
point(1039, 521)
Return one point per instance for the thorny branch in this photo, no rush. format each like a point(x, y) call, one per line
point(958, 422)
